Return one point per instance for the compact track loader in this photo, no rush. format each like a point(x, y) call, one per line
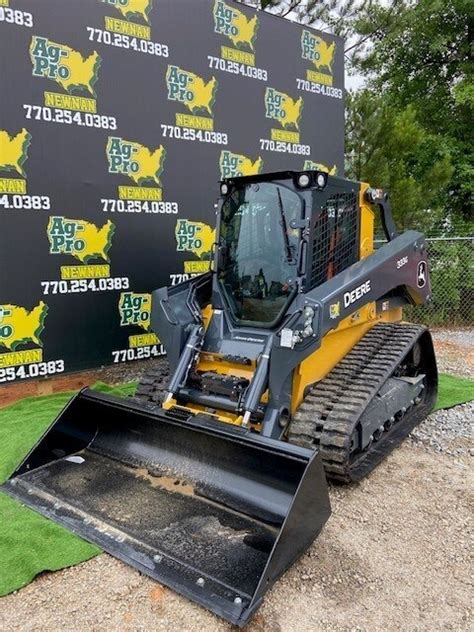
point(287, 363)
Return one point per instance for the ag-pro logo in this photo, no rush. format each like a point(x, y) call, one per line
point(132, 8)
point(80, 239)
point(234, 24)
point(309, 165)
point(18, 326)
point(138, 162)
point(236, 165)
point(197, 238)
point(321, 54)
point(282, 108)
point(13, 155)
point(198, 96)
point(191, 90)
point(135, 309)
point(85, 242)
point(22, 327)
point(129, 31)
point(14, 151)
point(64, 65)
point(241, 31)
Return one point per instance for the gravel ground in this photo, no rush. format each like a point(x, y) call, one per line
point(395, 554)
point(455, 351)
point(448, 431)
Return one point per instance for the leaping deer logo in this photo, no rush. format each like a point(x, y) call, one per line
point(422, 274)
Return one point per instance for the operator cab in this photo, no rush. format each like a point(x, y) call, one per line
point(279, 233)
point(259, 248)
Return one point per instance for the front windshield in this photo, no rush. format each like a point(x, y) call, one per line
point(259, 250)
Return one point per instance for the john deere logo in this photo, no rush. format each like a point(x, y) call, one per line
point(81, 239)
point(191, 90)
point(235, 25)
point(195, 237)
point(134, 160)
point(282, 108)
point(64, 65)
point(18, 326)
point(135, 309)
point(335, 310)
point(236, 165)
point(309, 165)
point(422, 273)
point(14, 151)
point(132, 8)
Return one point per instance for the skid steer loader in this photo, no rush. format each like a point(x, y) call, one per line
point(287, 363)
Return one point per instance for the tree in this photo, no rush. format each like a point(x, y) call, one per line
point(411, 129)
point(390, 149)
point(424, 61)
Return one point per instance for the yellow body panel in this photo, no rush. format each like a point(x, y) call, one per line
point(336, 345)
point(367, 218)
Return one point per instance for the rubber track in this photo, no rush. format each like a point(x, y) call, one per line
point(153, 384)
point(333, 408)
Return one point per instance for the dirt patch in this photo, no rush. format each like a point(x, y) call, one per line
point(394, 555)
point(171, 484)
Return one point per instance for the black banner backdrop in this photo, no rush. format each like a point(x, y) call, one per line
point(117, 119)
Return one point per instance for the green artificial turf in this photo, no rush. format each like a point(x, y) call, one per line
point(454, 390)
point(29, 543)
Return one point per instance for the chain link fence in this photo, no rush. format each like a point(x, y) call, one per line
point(452, 278)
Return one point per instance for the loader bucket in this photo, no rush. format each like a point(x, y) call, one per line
point(208, 509)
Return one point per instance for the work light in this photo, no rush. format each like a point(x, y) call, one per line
point(304, 180)
point(321, 180)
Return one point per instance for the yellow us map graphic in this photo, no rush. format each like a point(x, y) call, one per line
point(135, 309)
point(18, 326)
point(316, 50)
point(309, 165)
point(64, 65)
point(132, 8)
point(282, 108)
point(236, 165)
point(14, 151)
point(195, 237)
point(188, 88)
point(79, 238)
point(229, 21)
point(138, 162)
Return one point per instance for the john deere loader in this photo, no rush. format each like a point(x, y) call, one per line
point(287, 364)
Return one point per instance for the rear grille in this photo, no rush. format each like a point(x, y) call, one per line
point(335, 243)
